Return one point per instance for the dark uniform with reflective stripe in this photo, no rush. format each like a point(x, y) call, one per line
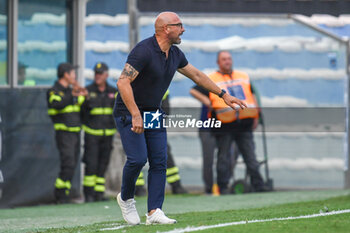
point(64, 110)
point(99, 127)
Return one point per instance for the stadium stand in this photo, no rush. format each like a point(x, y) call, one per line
point(290, 64)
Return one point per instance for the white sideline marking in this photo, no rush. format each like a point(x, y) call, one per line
point(113, 228)
point(201, 228)
point(118, 227)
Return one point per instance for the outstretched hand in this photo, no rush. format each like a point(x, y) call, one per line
point(234, 102)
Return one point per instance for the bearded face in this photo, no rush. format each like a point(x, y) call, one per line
point(175, 31)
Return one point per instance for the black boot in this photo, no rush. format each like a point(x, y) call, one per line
point(140, 191)
point(89, 194)
point(177, 188)
point(62, 196)
point(224, 190)
point(99, 196)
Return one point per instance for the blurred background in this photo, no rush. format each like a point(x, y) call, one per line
point(295, 52)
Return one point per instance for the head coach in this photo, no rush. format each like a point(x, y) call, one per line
point(145, 78)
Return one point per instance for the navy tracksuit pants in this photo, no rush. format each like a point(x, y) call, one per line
point(151, 145)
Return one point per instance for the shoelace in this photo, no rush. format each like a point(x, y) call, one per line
point(160, 215)
point(130, 206)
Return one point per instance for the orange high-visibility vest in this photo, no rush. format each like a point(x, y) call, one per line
point(238, 85)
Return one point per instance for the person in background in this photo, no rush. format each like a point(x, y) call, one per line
point(237, 125)
point(22, 79)
point(172, 172)
point(64, 100)
point(208, 140)
point(99, 128)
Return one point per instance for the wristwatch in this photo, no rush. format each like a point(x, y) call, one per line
point(222, 93)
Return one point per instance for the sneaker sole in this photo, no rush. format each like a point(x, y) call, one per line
point(147, 223)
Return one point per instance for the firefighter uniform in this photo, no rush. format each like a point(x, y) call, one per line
point(99, 128)
point(64, 110)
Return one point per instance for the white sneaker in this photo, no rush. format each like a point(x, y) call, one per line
point(129, 211)
point(158, 217)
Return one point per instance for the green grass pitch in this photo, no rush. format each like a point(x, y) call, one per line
point(192, 211)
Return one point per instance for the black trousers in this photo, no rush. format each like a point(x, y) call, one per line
point(170, 160)
point(97, 152)
point(68, 145)
point(245, 143)
point(208, 148)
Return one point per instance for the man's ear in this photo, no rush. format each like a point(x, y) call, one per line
point(166, 29)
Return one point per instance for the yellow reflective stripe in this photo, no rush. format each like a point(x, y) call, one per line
point(54, 97)
point(68, 184)
point(99, 188)
point(166, 94)
point(100, 180)
point(60, 184)
point(89, 181)
point(96, 132)
point(61, 126)
point(115, 95)
point(67, 109)
point(140, 182)
point(173, 179)
point(81, 99)
point(110, 132)
point(101, 111)
point(172, 170)
point(99, 132)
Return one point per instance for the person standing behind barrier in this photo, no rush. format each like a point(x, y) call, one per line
point(99, 128)
point(236, 125)
point(64, 109)
point(206, 137)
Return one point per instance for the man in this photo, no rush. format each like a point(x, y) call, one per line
point(64, 109)
point(145, 79)
point(208, 141)
point(22, 79)
point(237, 126)
point(99, 127)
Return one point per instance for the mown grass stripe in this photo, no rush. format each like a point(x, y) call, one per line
point(201, 228)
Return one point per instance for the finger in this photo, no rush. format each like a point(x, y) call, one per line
point(135, 130)
point(242, 104)
point(139, 129)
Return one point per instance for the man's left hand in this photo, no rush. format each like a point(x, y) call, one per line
point(233, 101)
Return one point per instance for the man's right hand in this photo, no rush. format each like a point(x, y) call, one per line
point(234, 102)
point(137, 124)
